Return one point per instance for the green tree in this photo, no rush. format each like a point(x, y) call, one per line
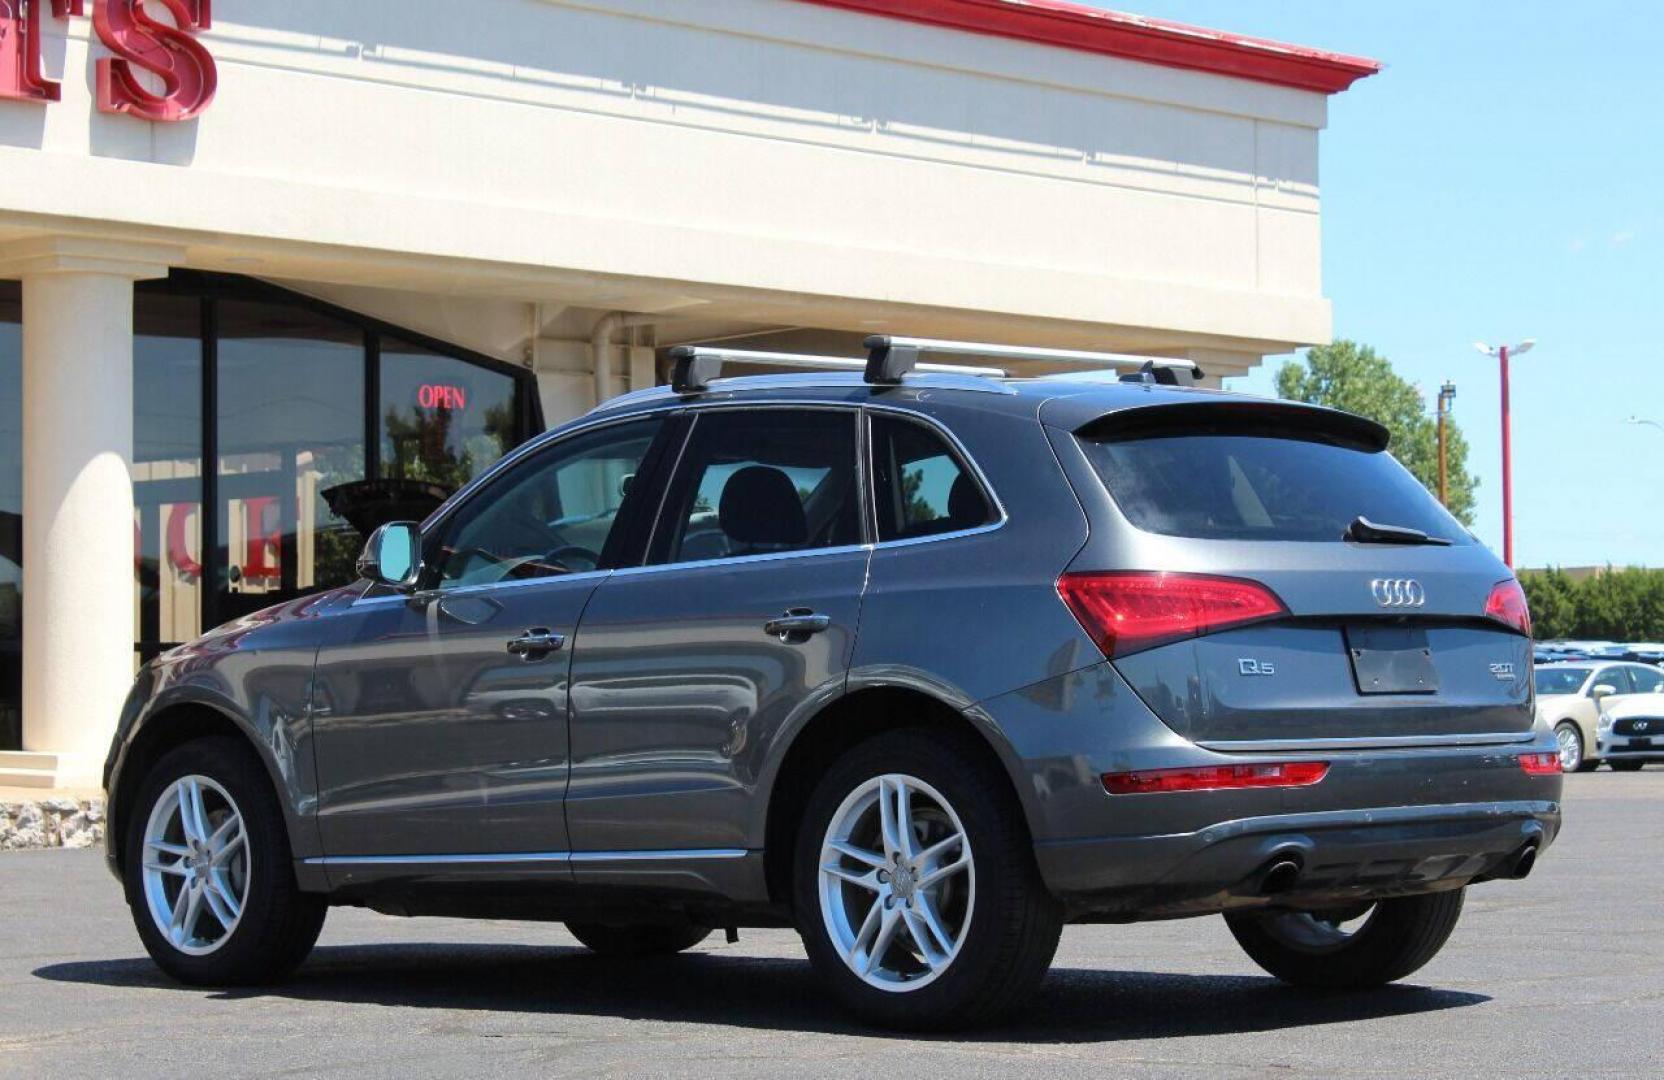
point(1612, 605)
point(1356, 378)
point(1553, 600)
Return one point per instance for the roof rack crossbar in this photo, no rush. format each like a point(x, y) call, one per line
point(695, 367)
point(892, 353)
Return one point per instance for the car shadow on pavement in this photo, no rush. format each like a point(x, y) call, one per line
point(1074, 1005)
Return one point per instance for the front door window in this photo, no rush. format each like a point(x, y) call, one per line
point(549, 517)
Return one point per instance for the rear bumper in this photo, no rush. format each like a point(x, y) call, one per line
point(1384, 821)
point(1341, 855)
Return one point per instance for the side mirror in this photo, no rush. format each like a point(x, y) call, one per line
point(393, 555)
point(1603, 690)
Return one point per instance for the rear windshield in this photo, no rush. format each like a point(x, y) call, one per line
point(1261, 487)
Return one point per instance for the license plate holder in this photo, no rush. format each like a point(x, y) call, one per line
point(1639, 744)
point(1391, 660)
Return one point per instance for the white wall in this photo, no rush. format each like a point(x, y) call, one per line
point(763, 159)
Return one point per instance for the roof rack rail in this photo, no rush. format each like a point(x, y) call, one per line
point(695, 367)
point(894, 356)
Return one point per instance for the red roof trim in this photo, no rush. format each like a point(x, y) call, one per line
point(1132, 37)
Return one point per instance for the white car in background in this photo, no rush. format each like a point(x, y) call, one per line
point(1574, 697)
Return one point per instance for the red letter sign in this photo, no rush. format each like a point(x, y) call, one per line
point(170, 53)
point(21, 27)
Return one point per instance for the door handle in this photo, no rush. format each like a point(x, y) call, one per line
point(536, 643)
point(797, 624)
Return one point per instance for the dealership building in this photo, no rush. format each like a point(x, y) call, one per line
point(277, 262)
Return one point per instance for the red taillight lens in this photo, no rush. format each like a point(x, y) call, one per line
point(1216, 777)
point(1540, 764)
point(1126, 612)
point(1507, 606)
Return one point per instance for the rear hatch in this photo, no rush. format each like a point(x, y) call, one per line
point(1267, 576)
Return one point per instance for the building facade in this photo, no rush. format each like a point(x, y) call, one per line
point(269, 267)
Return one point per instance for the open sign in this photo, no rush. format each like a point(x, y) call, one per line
point(442, 396)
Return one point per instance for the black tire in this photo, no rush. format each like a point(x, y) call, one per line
point(1627, 766)
point(1014, 924)
point(279, 923)
point(648, 939)
point(1399, 937)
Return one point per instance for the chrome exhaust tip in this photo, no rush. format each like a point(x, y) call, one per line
point(1524, 861)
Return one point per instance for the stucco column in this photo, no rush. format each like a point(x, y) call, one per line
point(77, 491)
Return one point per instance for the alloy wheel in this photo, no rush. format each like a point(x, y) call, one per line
point(196, 865)
point(1571, 747)
point(897, 883)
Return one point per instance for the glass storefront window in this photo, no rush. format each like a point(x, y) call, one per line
point(11, 517)
point(167, 468)
point(291, 426)
point(300, 400)
point(443, 420)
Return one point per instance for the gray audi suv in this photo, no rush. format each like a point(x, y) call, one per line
point(924, 662)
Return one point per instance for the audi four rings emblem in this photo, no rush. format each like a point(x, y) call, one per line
point(1398, 592)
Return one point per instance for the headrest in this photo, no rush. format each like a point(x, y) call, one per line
point(966, 507)
point(760, 505)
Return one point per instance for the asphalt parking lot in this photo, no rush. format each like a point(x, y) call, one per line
point(1560, 975)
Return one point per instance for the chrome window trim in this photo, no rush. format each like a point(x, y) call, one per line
point(433, 595)
point(735, 560)
point(1387, 742)
point(550, 857)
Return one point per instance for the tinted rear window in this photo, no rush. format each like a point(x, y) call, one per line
point(1260, 487)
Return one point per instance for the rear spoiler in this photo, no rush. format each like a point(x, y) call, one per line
point(1263, 419)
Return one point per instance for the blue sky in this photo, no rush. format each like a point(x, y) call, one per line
point(1503, 178)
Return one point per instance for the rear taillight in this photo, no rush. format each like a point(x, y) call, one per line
point(1128, 611)
point(1507, 605)
point(1216, 778)
point(1540, 764)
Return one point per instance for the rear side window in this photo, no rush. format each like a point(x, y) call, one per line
point(1260, 486)
point(921, 487)
point(1647, 680)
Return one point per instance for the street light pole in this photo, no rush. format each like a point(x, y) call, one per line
point(1447, 394)
point(1502, 352)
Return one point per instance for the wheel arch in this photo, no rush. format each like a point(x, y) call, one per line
point(171, 726)
point(835, 728)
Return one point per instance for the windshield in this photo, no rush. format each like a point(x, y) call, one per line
point(1563, 680)
point(1261, 487)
